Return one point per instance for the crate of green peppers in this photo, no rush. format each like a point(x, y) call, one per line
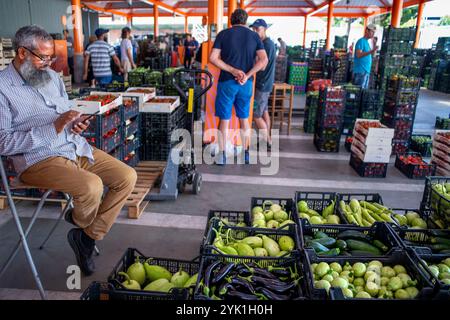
point(440, 201)
point(422, 144)
point(396, 276)
point(327, 241)
point(248, 280)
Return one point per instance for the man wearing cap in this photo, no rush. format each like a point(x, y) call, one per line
point(363, 57)
point(100, 53)
point(239, 53)
point(264, 83)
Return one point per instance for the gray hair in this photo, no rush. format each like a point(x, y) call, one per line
point(28, 36)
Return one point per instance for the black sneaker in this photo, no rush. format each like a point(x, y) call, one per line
point(83, 251)
point(68, 216)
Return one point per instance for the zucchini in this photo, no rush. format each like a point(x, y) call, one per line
point(361, 253)
point(439, 233)
point(446, 251)
point(345, 254)
point(380, 245)
point(439, 247)
point(352, 234)
point(341, 244)
point(356, 245)
point(332, 252)
point(441, 240)
point(327, 242)
point(317, 247)
point(308, 238)
point(320, 235)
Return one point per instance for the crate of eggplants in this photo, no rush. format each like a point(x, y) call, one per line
point(249, 280)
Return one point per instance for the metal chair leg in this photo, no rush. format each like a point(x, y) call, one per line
point(97, 252)
point(21, 234)
point(28, 230)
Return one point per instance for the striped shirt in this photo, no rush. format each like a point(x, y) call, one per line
point(27, 132)
point(101, 53)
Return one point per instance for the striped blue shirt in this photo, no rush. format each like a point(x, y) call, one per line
point(100, 53)
point(27, 132)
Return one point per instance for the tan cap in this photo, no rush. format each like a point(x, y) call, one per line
point(372, 27)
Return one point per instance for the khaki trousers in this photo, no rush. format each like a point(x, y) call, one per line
point(84, 182)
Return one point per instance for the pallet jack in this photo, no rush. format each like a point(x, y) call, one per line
point(177, 176)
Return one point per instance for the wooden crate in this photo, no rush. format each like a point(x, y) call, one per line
point(4, 201)
point(148, 173)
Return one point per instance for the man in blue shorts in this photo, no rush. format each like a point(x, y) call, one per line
point(363, 57)
point(239, 53)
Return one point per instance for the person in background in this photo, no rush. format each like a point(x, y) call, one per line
point(176, 45)
point(100, 52)
point(239, 53)
point(283, 47)
point(42, 136)
point(135, 45)
point(264, 83)
point(362, 64)
point(70, 51)
point(126, 53)
point(189, 50)
point(90, 77)
point(196, 45)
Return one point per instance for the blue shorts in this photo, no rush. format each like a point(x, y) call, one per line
point(231, 93)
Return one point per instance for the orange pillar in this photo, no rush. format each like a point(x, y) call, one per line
point(129, 21)
point(329, 23)
point(155, 20)
point(396, 14)
point(419, 23)
point(365, 19)
point(78, 59)
point(186, 24)
point(241, 4)
point(304, 31)
point(232, 5)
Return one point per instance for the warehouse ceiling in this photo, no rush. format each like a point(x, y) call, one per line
point(342, 8)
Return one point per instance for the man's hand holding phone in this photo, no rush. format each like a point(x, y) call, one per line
point(82, 123)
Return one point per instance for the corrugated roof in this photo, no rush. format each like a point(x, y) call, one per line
point(253, 7)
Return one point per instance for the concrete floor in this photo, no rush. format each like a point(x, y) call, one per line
point(175, 229)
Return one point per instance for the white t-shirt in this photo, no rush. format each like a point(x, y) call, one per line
point(124, 46)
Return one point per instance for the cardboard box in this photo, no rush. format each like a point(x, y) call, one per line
point(371, 149)
point(374, 157)
point(382, 132)
point(91, 107)
point(161, 107)
point(371, 140)
point(142, 97)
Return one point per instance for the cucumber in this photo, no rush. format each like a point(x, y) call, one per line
point(380, 245)
point(439, 233)
point(345, 254)
point(441, 240)
point(355, 235)
point(439, 247)
point(446, 251)
point(320, 235)
point(341, 244)
point(327, 242)
point(308, 238)
point(361, 253)
point(356, 245)
point(332, 252)
point(317, 247)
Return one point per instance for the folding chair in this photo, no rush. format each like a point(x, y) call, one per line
point(23, 235)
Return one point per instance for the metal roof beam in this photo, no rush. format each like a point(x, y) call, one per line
point(164, 6)
point(321, 7)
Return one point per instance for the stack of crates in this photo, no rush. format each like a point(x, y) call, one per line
point(7, 52)
point(298, 72)
point(352, 106)
point(315, 70)
point(400, 109)
point(136, 77)
point(312, 104)
point(330, 119)
point(397, 46)
point(155, 79)
point(131, 133)
point(338, 66)
point(156, 132)
point(313, 49)
point(169, 88)
point(371, 106)
point(281, 69)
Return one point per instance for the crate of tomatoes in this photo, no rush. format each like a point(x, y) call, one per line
point(97, 102)
point(412, 165)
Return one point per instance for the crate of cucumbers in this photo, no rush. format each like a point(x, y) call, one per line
point(349, 241)
point(396, 276)
point(221, 279)
point(139, 277)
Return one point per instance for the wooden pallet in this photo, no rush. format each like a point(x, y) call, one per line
point(4, 201)
point(148, 173)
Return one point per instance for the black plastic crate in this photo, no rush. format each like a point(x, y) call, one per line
point(136, 79)
point(131, 127)
point(163, 121)
point(287, 204)
point(400, 146)
point(293, 263)
point(426, 291)
point(424, 148)
point(234, 217)
point(442, 288)
point(130, 256)
point(440, 206)
point(131, 145)
point(348, 143)
point(429, 182)
point(368, 197)
point(291, 230)
point(414, 171)
point(131, 159)
point(328, 133)
point(316, 200)
point(118, 153)
point(107, 142)
point(326, 145)
point(368, 169)
point(130, 108)
point(103, 123)
point(403, 111)
point(378, 231)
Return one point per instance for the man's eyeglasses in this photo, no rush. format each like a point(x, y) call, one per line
point(49, 59)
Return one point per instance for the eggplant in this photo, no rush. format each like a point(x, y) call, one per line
point(272, 295)
point(281, 273)
point(223, 272)
point(208, 275)
point(242, 296)
point(264, 273)
point(276, 286)
point(224, 288)
point(242, 283)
